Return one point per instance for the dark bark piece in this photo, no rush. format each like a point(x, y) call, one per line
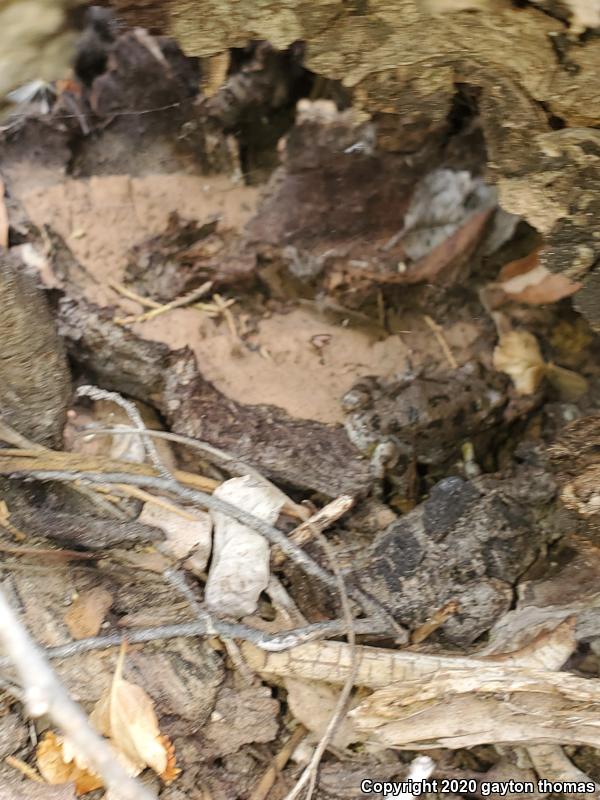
point(301, 453)
point(35, 383)
point(186, 255)
point(468, 542)
point(66, 517)
point(294, 452)
point(113, 356)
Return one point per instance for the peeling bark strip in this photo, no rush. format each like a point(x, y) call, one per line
point(295, 452)
point(34, 379)
point(534, 81)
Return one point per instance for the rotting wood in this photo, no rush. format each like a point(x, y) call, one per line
point(534, 83)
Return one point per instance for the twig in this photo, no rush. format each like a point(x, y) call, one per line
point(11, 436)
point(271, 643)
point(48, 553)
point(134, 415)
point(317, 523)
point(311, 771)
point(44, 694)
point(217, 456)
point(272, 534)
point(439, 335)
point(433, 623)
point(23, 767)
point(265, 784)
point(178, 582)
point(184, 300)
point(145, 302)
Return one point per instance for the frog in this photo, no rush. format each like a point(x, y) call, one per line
point(423, 420)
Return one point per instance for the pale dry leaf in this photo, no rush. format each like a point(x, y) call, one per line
point(125, 714)
point(240, 566)
point(85, 617)
point(518, 355)
point(56, 769)
point(186, 531)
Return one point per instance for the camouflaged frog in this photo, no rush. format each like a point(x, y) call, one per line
point(424, 419)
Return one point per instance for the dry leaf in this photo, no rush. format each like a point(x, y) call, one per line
point(125, 714)
point(87, 613)
point(57, 769)
point(186, 530)
point(571, 385)
point(240, 567)
point(527, 281)
point(518, 355)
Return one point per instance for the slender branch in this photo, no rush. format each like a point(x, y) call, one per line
point(272, 534)
point(272, 643)
point(44, 694)
point(134, 415)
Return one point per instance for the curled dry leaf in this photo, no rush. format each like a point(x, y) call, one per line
point(188, 532)
point(87, 613)
point(518, 355)
point(240, 567)
point(527, 281)
point(125, 714)
point(57, 767)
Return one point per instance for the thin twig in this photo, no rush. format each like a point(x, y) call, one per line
point(145, 302)
point(215, 455)
point(134, 415)
point(179, 302)
point(311, 771)
point(11, 436)
point(272, 534)
point(265, 784)
point(317, 523)
point(271, 643)
point(439, 335)
point(44, 694)
point(178, 582)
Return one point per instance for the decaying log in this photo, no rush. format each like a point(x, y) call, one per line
point(531, 75)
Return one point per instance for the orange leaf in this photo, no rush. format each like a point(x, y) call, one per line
point(56, 770)
point(527, 281)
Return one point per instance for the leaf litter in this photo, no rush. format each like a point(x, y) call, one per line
point(311, 299)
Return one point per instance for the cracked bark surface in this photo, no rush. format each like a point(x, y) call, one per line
point(531, 70)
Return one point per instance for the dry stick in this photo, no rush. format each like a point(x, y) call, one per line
point(178, 582)
point(271, 643)
point(272, 534)
point(439, 335)
point(184, 300)
point(317, 523)
point(134, 415)
point(264, 786)
point(11, 436)
point(44, 694)
point(221, 457)
point(310, 773)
